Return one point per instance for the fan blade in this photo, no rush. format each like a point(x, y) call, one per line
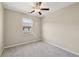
point(40, 3)
point(32, 11)
point(44, 8)
point(39, 13)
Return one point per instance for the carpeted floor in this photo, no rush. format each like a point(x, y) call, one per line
point(38, 49)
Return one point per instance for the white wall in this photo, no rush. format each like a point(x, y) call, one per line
point(13, 29)
point(1, 28)
point(62, 28)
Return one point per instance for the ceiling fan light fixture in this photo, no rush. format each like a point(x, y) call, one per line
point(37, 10)
point(38, 7)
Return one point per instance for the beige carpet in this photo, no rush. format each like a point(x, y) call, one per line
point(38, 49)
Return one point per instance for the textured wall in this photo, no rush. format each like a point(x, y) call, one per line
point(62, 28)
point(13, 28)
point(1, 28)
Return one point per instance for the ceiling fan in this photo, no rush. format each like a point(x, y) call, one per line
point(37, 8)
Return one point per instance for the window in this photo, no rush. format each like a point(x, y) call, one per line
point(27, 25)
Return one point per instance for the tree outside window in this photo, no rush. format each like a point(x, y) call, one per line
point(27, 25)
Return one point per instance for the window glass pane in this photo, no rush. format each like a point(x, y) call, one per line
point(27, 25)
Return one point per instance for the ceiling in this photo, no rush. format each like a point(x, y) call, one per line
point(26, 7)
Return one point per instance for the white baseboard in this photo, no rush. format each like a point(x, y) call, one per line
point(62, 47)
point(32, 41)
point(1, 51)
